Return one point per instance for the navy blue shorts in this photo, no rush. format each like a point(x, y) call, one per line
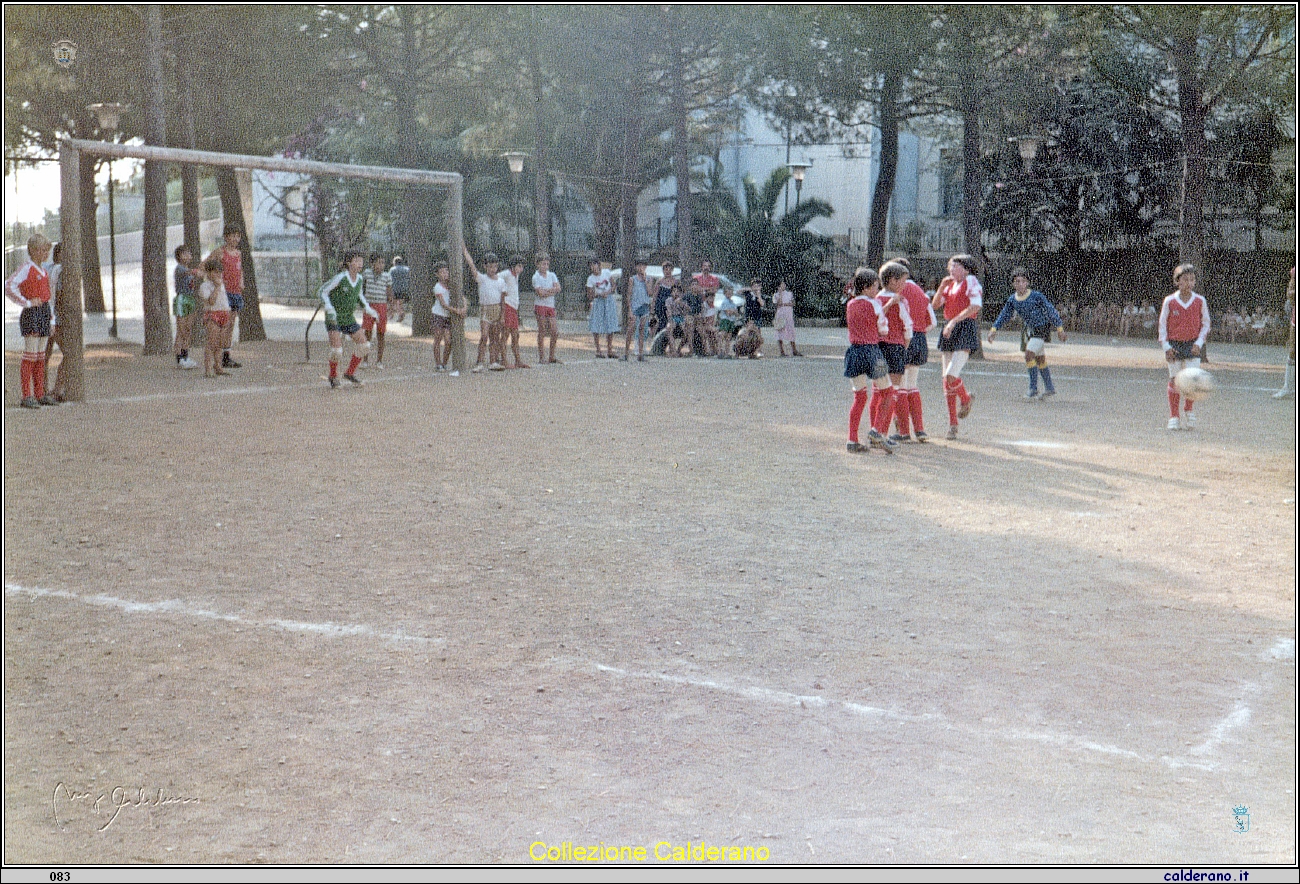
point(34, 322)
point(894, 356)
point(918, 351)
point(1045, 333)
point(350, 328)
point(1182, 349)
point(641, 310)
point(236, 301)
point(966, 336)
point(864, 359)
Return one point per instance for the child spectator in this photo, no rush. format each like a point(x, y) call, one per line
point(442, 311)
point(29, 287)
point(1184, 325)
point(749, 341)
point(185, 306)
point(216, 315)
point(663, 296)
point(1039, 317)
point(639, 308)
point(491, 288)
point(341, 297)
point(378, 291)
point(510, 312)
point(728, 324)
point(400, 275)
point(754, 302)
point(232, 278)
point(603, 299)
point(546, 285)
point(680, 313)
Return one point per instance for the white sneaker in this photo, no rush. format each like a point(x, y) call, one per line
point(1174, 425)
point(497, 366)
point(454, 374)
point(187, 362)
point(477, 368)
point(1189, 421)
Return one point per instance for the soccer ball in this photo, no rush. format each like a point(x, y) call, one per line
point(1194, 383)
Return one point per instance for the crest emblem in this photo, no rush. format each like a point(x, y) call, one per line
point(1241, 819)
point(65, 53)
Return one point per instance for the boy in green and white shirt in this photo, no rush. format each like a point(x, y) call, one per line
point(341, 296)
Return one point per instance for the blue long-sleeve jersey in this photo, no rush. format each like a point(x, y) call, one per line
point(1036, 312)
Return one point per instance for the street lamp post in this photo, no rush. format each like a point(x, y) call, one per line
point(110, 114)
point(797, 172)
point(515, 159)
point(1028, 147)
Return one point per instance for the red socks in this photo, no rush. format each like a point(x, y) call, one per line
point(31, 372)
point(885, 411)
point(950, 392)
point(352, 366)
point(902, 409)
point(855, 412)
point(38, 376)
point(914, 400)
point(1173, 399)
point(334, 369)
point(26, 372)
point(961, 391)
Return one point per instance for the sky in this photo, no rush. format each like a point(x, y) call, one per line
point(35, 188)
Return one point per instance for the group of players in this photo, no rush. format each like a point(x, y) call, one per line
point(888, 316)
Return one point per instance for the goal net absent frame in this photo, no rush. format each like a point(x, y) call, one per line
point(70, 304)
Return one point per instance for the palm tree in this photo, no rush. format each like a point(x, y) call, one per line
point(752, 241)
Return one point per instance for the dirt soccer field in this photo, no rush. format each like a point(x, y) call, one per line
point(652, 606)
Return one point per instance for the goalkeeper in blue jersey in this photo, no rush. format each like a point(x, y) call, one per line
point(1039, 317)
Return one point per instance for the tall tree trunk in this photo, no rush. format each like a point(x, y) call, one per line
point(232, 211)
point(157, 316)
point(542, 181)
point(190, 196)
point(418, 206)
point(682, 162)
point(972, 171)
point(884, 191)
point(91, 281)
point(1191, 240)
point(604, 210)
point(628, 191)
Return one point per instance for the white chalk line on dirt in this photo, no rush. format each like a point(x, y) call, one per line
point(1238, 718)
point(230, 391)
point(183, 609)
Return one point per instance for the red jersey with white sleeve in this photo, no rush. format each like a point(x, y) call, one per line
point(957, 296)
point(232, 270)
point(1184, 321)
point(918, 307)
point(29, 286)
point(899, 319)
point(866, 322)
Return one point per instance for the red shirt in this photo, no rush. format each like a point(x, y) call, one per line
point(1184, 323)
point(232, 271)
point(863, 315)
point(957, 296)
point(31, 282)
point(898, 330)
point(918, 305)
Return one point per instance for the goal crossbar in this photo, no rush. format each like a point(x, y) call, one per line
point(70, 304)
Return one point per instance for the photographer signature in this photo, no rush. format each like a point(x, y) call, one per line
point(112, 802)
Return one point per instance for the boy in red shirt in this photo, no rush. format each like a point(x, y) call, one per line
point(863, 362)
point(1184, 325)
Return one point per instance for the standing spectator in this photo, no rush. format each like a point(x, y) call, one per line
point(754, 302)
point(442, 311)
point(663, 297)
point(216, 318)
point(54, 267)
point(185, 306)
point(400, 274)
point(783, 322)
point(639, 309)
point(603, 298)
point(491, 288)
point(510, 312)
point(546, 285)
point(706, 284)
point(379, 289)
point(232, 279)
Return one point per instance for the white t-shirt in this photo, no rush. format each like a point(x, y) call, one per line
point(206, 290)
point(438, 309)
point(549, 281)
point(490, 290)
point(601, 283)
point(512, 289)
